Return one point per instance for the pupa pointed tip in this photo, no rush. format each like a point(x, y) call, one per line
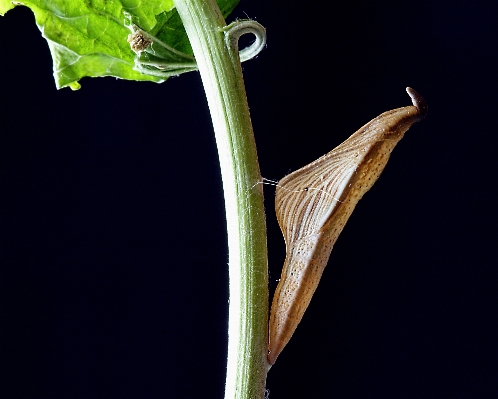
point(418, 101)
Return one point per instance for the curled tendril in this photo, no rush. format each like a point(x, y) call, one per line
point(238, 28)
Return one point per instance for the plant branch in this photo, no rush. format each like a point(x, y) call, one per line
point(221, 73)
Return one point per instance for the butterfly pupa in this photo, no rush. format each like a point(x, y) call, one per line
point(314, 203)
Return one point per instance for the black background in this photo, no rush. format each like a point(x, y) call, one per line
point(113, 245)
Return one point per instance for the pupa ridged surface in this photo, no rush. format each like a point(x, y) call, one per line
point(314, 203)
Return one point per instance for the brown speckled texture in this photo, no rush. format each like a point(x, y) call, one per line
point(314, 203)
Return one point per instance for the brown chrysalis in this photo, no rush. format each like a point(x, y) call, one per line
point(314, 203)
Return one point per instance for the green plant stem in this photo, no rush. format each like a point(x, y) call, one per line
point(221, 75)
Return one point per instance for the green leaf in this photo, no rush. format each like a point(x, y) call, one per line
point(89, 38)
point(5, 6)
